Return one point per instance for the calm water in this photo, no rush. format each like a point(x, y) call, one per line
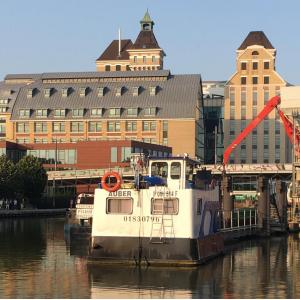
point(37, 262)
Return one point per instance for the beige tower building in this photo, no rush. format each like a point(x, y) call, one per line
point(124, 55)
point(246, 93)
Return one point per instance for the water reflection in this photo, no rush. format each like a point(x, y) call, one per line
point(37, 262)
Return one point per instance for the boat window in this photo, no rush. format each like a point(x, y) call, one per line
point(168, 206)
point(159, 169)
point(189, 172)
point(86, 199)
point(119, 206)
point(199, 206)
point(175, 170)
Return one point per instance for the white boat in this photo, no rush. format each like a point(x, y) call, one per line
point(169, 217)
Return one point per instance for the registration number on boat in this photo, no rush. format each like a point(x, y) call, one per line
point(141, 219)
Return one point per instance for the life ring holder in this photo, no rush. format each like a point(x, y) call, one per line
point(115, 187)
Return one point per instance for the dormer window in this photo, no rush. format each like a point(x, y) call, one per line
point(96, 112)
point(83, 91)
point(65, 92)
point(31, 92)
point(132, 112)
point(150, 111)
point(3, 109)
point(24, 113)
point(255, 53)
point(115, 112)
point(78, 112)
point(119, 91)
point(4, 101)
point(47, 92)
point(41, 113)
point(153, 90)
point(101, 91)
point(136, 90)
point(59, 113)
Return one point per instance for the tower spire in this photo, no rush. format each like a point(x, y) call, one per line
point(146, 22)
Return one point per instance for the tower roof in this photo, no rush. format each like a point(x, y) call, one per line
point(256, 38)
point(112, 51)
point(145, 40)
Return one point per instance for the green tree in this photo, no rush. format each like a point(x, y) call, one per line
point(8, 178)
point(32, 178)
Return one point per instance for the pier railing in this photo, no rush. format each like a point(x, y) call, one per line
point(238, 219)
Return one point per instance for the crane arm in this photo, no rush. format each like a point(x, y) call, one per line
point(271, 104)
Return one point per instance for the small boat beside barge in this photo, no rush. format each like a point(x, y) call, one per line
point(168, 217)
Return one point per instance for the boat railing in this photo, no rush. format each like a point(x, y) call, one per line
point(243, 218)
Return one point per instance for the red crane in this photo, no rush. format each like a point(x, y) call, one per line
point(271, 104)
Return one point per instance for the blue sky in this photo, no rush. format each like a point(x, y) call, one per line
point(198, 36)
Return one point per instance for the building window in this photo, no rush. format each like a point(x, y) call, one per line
point(65, 92)
point(243, 80)
point(135, 59)
point(128, 68)
point(136, 90)
point(59, 113)
point(255, 53)
point(144, 59)
point(153, 90)
point(114, 112)
point(107, 68)
point(254, 80)
point(266, 65)
point(232, 112)
point(41, 113)
point(118, 68)
point(232, 128)
point(122, 206)
point(254, 98)
point(76, 126)
point(243, 112)
point(149, 126)
point(23, 113)
point(96, 112)
point(4, 101)
point(101, 91)
point(119, 91)
point(232, 98)
point(243, 66)
point(266, 96)
point(132, 112)
point(58, 127)
point(22, 127)
point(83, 91)
point(125, 154)
point(131, 126)
point(95, 126)
point(153, 59)
point(113, 154)
point(113, 126)
point(243, 97)
point(47, 92)
point(255, 65)
point(78, 112)
point(167, 206)
point(254, 155)
point(40, 127)
point(266, 79)
point(150, 111)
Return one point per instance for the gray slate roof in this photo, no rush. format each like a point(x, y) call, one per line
point(177, 95)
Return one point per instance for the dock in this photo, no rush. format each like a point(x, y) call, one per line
point(23, 213)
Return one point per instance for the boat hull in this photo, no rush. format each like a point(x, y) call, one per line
point(172, 252)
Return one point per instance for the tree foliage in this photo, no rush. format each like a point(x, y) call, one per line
point(26, 179)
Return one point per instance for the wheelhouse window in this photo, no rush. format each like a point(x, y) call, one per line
point(199, 206)
point(175, 170)
point(167, 206)
point(119, 206)
point(159, 169)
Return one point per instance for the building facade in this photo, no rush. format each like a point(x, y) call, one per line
point(246, 93)
point(150, 106)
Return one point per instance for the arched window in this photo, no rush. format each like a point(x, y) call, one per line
point(107, 68)
point(118, 68)
point(255, 53)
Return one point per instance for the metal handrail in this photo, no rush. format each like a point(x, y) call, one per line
point(236, 219)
